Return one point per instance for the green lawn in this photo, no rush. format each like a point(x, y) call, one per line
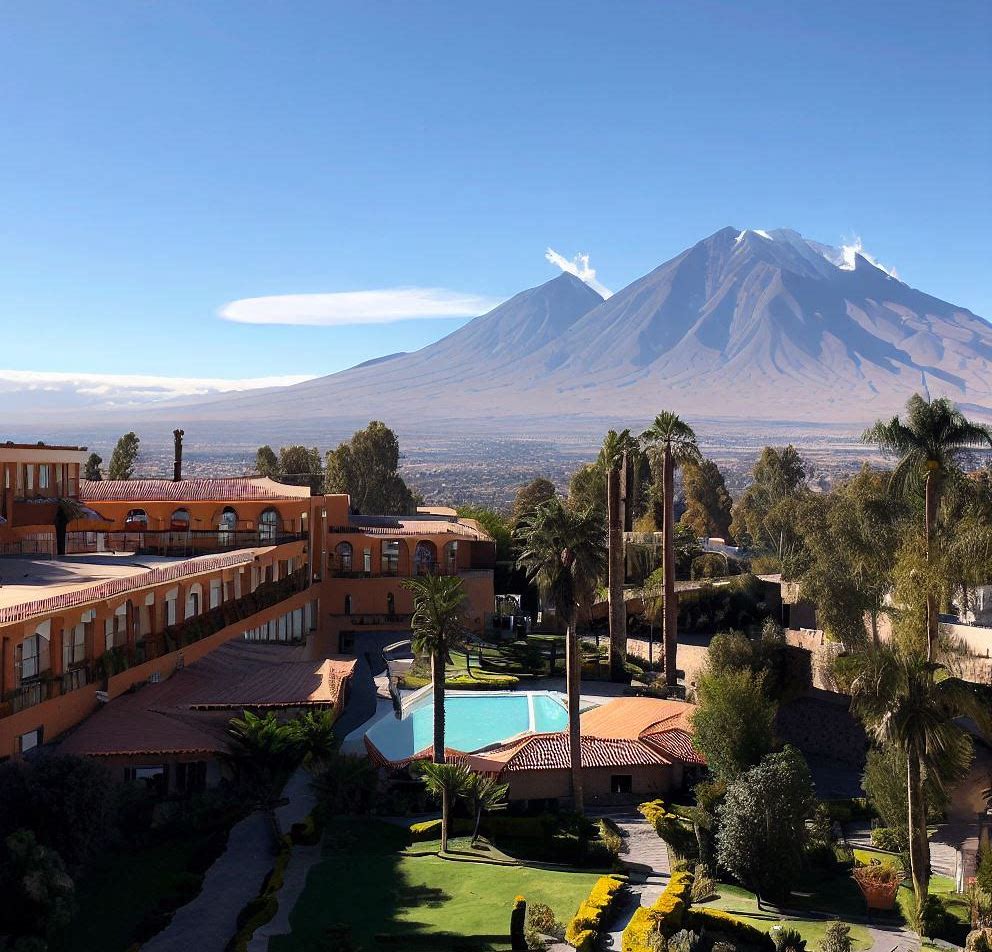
point(829, 896)
point(364, 881)
point(114, 899)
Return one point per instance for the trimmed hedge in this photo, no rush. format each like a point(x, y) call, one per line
point(738, 932)
point(462, 682)
point(666, 915)
point(517, 827)
point(583, 929)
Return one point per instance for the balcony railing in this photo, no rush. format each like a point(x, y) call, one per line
point(120, 658)
point(372, 619)
point(339, 569)
point(177, 543)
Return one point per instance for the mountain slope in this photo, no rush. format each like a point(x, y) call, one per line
point(744, 324)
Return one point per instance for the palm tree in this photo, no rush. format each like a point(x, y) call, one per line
point(562, 550)
point(438, 607)
point(448, 782)
point(315, 739)
point(932, 443)
point(911, 702)
point(484, 795)
point(263, 753)
point(677, 443)
point(615, 454)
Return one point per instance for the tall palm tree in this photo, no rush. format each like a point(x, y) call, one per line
point(615, 454)
point(562, 550)
point(676, 441)
point(448, 782)
point(438, 607)
point(911, 702)
point(932, 443)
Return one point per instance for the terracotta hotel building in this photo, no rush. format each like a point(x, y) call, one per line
point(138, 616)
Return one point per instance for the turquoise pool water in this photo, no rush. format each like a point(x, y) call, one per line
point(471, 721)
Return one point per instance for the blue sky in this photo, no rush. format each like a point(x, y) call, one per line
point(161, 160)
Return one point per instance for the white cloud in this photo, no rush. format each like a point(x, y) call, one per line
point(855, 247)
point(357, 307)
point(579, 266)
point(129, 389)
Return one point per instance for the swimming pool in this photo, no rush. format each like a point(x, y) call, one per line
point(472, 720)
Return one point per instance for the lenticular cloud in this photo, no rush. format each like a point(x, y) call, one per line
point(357, 307)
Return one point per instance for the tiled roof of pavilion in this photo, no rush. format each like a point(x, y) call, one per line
point(190, 711)
point(227, 489)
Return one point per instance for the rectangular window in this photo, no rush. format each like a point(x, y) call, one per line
point(29, 740)
point(367, 561)
point(43, 476)
point(390, 558)
point(74, 646)
point(29, 479)
point(30, 650)
point(621, 783)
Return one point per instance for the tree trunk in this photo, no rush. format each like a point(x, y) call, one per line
point(437, 677)
point(618, 609)
point(573, 674)
point(445, 815)
point(478, 823)
point(668, 555)
point(919, 847)
point(929, 521)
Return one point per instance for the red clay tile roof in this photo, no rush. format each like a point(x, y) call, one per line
point(228, 489)
point(550, 752)
point(631, 717)
point(190, 711)
point(676, 744)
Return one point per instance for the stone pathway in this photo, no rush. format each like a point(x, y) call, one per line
point(645, 862)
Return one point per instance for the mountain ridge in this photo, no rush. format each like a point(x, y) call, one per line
point(746, 324)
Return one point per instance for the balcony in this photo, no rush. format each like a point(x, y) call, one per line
point(121, 657)
point(182, 544)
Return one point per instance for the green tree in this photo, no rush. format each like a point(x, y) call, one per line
point(932, 442)
point(617, 448)
point(263, 753)
point(762, 832)
point(39, 895)
point(733, 725)
point(675, 442)
point(778, 475)
point(437, 623)
point(708, 506)
point(447, 782)
point(366, 467)
point(529, 497)
point(124, 457)
point(850, 537)
point(315, 739)
point(266, 462)
point(484, 795)
point(587, 487)
point(837, 938)
point(562, 550)
point(299, 466)
point(91, 470)
point(911, 703)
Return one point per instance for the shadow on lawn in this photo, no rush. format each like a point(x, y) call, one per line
point(358, 890)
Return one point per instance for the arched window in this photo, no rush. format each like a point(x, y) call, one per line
point(136, 520)
point(226, 525)
point(179, 522)
point(390, 604)
point(194, 600)
point(347, 604)
point(344, 553)
point(269, 524)
point(451, 557)
point(425, 558)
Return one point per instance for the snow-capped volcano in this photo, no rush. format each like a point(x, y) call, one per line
point(745, 324)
